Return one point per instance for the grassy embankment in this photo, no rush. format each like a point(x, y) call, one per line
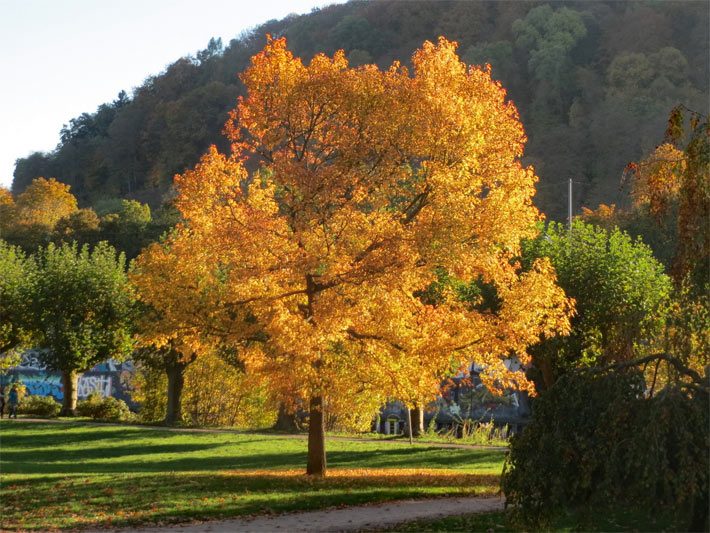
point(74, 475)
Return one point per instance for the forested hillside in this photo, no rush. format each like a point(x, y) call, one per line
point(593, 81)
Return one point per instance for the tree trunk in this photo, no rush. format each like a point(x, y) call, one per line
point(70, 386)
point(285, 421)
point(545, 367)
point(409, 425)
point(316, 438)
point(176, 381)
point(417, 416)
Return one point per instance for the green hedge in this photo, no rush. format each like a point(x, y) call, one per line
point(104, 408)
point(598, 443)
point(45, 406)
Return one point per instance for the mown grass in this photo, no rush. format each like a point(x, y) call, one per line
point(74, 475)
point(431, 437)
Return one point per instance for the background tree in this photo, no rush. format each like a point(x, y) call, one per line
point(670, 202)
point(169, 360)
point(548, 37)
point(7, 205)
point(585, 116)
point(673, 186)
point(17, 275)
point(126, 226)
point(82, 311)
point(674, 183)
point(215, 393)
point(36, 211)
point(81, 226)
point(367, 181)
point(218, 393)
point(170, 342)
point(620, 291)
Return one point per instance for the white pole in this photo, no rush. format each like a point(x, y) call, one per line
point(569, 208)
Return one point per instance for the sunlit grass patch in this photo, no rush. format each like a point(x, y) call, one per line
point(85, 475)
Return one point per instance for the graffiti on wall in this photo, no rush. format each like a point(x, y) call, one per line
point(108, 379)
point(30, 361)
point(90, 384)
point(46, 384)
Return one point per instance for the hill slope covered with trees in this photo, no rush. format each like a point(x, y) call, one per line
point(593, 81)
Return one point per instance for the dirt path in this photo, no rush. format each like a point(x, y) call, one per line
point(360, 518)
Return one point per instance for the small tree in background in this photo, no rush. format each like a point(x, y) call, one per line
point(7, 207)
point(35, 213)
point(81, 226)
point(148, 385)
point(126, 227)
point(671, 209)
point(169, 360)
point(82, 311)
point(218, 393)
point(170, 343)
point(620, 291)
point(673, 185)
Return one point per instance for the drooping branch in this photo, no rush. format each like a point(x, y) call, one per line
point(673, 361)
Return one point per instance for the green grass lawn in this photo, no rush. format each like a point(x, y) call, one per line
point(73, 475)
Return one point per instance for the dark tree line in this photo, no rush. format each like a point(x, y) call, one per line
point(594, 82)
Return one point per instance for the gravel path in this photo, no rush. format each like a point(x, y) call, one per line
point(360, 518)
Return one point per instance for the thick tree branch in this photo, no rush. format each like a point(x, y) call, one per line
point(364, 336)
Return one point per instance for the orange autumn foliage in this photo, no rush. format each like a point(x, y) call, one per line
point(44, 203)
point(364, 183)
point(657, 181)
point(7, 208)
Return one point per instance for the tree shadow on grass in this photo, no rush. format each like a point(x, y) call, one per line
point(32, 434)
point(155, 464)
point(146, 498)
point(171, 457)
point(416, 457)
point(85, 456)
point(90, 449)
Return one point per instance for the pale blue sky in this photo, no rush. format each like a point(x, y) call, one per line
point(61, 58)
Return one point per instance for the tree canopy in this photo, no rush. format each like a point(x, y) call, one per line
point(16, 273)
point(620, 291)
point(81, 310)
point(368, 181)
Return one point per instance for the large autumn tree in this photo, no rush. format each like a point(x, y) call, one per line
point(168, 278)
point(347, 190)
